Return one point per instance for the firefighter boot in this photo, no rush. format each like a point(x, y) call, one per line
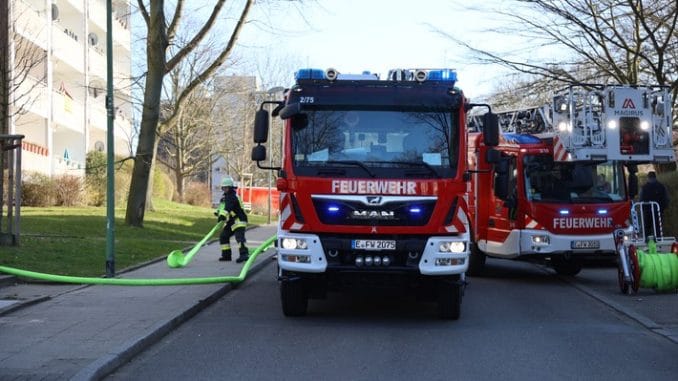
point(244, 254)
point(225, 255)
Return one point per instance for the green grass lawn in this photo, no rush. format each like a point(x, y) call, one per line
point(72, 241)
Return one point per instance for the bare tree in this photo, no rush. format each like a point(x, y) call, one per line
point(592, 41)
point(162, 34)
point(613, 41)
point(184, 146)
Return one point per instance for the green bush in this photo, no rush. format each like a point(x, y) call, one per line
point(95, 178)
point(37, 190)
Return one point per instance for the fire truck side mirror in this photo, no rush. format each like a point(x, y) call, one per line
point(490, 129)
point(259, 153)
point(261, 126)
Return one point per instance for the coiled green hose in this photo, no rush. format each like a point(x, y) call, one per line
point(658, 270)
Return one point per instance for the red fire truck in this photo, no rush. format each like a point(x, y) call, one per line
point(372, 182)
point(554, 189)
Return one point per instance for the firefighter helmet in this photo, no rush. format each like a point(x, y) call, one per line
point(227, 182)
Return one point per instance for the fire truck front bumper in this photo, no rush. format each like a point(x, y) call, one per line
point(543, 242)
point(310, 253)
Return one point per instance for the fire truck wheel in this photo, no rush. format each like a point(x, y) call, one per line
point(449, 300)
point(293, 297)
point(566, 268)
point(476, 261)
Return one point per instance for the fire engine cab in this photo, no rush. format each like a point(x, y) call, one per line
point(372, 182)
point(555, 188)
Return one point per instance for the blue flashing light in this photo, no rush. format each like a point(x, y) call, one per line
point(564, 212)
point(602, 211)
point(447, 75)
point(521, 138)
point(332, 209)
point(415, 210)
point(309, 74)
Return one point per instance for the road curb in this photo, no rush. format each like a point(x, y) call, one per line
point(107, 364)
point(646, 322)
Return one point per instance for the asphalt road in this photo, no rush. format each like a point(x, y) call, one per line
point(518, 323)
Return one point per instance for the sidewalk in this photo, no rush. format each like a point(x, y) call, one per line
point(81, 332)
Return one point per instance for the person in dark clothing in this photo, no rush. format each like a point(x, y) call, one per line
point(655, 191)
point(231, 211)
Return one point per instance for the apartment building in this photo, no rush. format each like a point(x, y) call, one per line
point(58, 50)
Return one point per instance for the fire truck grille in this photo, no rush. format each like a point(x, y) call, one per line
point(397, 213)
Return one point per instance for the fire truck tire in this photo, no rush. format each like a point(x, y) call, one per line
point(566, 268)
point(476, 261)
point(449, 300)
point(293, 298)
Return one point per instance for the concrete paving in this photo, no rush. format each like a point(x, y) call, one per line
point(80, 332)
point(63, 331)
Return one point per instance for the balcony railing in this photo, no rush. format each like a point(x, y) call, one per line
point(68, 47)
point(68, 112)
point(31, 96)
point(33, 25)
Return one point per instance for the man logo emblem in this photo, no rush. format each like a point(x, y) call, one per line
point(374, 200)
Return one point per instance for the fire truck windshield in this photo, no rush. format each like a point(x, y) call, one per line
point(375, 143)
point(572, 182)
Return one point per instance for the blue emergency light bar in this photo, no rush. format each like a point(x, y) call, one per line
point(447, 75)
point(420, 75)
point(309, 74)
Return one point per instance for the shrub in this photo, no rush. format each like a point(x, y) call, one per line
point(68, 190)
point(198, 194)
point(37, 190)
point(95, 178)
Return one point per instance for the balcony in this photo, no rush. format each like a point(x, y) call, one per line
point(97, 63)
point(31, 96)
point(68, 47)
point(121, 32)
point(68, 113)
point(33, 25)
point(76, 4)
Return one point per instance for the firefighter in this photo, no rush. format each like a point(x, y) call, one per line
point(655, 191)
point(231, 211)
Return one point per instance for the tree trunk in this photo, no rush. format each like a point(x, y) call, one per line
point(156, 47)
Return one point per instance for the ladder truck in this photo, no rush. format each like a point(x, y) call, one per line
point(555, 188)
point(372, 183)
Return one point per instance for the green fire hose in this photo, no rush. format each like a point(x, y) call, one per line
point(145, 282)
point(177, 258)
point(658, 270)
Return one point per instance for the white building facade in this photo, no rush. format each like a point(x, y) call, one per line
point(59, 96)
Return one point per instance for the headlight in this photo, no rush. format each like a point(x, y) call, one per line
point(541, 240)
point(452, 247)
point(612, 124)
point(294, 243)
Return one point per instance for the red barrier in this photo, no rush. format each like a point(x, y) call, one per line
point(257, 197)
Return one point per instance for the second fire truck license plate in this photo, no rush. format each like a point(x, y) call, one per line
point(585, 244)
point(374, 244)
